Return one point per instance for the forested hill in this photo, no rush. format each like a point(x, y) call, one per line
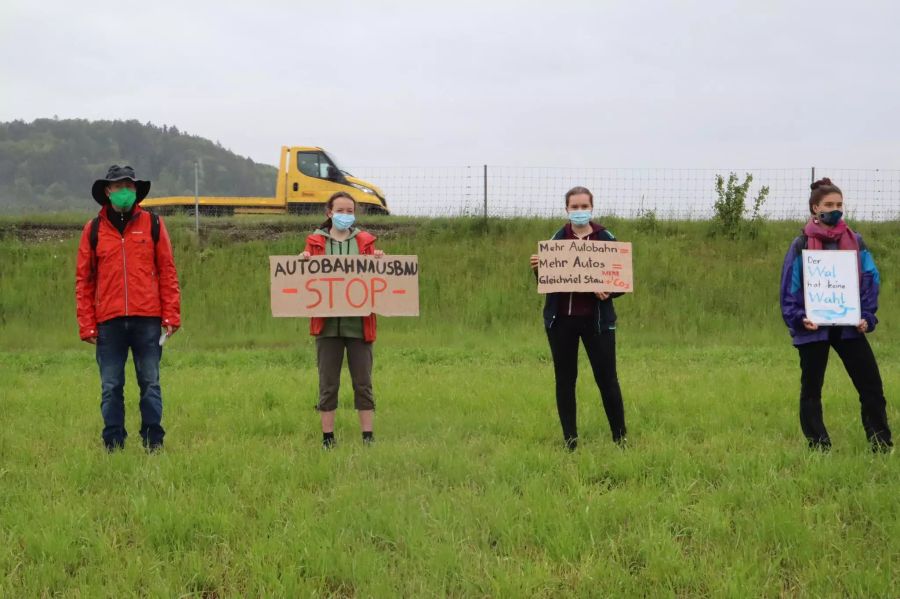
point(49, 164)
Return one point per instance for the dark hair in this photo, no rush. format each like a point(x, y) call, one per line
point(820, 189)
point(579, 190)
point(330, 204)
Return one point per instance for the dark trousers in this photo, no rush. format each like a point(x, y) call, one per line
point(564, 337)
point(859, 361)
point(330, 357)
point(115, 337)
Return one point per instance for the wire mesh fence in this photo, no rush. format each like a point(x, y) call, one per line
point(508, 191)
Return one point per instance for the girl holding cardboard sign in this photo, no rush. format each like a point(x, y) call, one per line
point(826, 230)
point(590, 319)
point(335, 336)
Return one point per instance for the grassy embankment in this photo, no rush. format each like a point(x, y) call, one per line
point(467, 491)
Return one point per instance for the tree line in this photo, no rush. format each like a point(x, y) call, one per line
point(49, 164)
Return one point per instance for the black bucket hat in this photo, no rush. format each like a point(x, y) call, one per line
point(119, 173)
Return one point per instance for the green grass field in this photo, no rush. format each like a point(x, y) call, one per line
point(468, 491)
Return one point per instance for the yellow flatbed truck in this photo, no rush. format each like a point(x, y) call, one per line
point(307, 177)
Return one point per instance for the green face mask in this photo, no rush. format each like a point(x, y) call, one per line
point(123, 199)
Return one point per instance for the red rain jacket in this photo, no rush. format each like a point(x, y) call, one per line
point(130, 275)
point(315, 245)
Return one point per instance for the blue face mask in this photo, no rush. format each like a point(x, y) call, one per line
point(580, 217)
point(831, 218)
point(341, 221)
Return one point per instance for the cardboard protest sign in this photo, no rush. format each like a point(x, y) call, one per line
point(344, 285)
point(566, 265)
point(831, 286)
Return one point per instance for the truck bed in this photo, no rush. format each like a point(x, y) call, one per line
point(233, 201)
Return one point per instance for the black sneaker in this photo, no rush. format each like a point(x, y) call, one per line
point(114, 445)
point(879, 445)
point(571, 444)
point(621, 441)
point(328, 443)
point(154, 447)
point(368, 438)
point(823, 445)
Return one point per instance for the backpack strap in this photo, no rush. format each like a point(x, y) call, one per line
point(93, 237)
point(154, 233)
point(154, 226)
point(95, 233)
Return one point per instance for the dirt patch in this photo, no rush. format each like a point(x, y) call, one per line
point(238, 232)
point(32, 232)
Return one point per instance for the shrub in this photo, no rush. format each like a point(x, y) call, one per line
point(731, 207)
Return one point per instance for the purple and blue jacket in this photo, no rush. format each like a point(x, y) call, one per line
point(793, 306)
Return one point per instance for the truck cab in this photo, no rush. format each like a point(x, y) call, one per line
point(310, 176)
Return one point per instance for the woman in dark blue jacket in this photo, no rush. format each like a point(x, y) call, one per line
point(590, 319)
point(826, 230)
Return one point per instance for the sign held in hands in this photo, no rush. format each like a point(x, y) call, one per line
point(344, 286)
point(831, 287)
point(580, 265)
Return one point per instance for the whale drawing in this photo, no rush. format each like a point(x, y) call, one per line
point(831, 313)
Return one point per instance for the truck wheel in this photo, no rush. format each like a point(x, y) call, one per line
point(303, 209)
point(216, 210)
point(373, 210)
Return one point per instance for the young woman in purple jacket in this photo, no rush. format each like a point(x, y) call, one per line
point(826, 230)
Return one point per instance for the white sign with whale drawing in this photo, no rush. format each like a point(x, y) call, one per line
point(831, 287)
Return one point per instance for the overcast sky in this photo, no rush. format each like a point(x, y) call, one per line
point(600, 84)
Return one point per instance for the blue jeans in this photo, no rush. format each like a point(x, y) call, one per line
point(114, 338)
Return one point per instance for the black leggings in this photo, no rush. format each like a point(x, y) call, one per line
point(859, 361)
point(564, 336)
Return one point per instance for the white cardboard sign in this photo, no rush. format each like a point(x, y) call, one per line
point(831, 287)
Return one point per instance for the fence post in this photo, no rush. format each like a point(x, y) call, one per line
point(812, 176)
point(485, 193)
point(197, 198)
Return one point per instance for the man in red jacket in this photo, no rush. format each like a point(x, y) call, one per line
point(126, 289)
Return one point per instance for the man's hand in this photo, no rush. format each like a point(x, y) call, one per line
point(534, 262)
point(91, 340)
point(863, 326)
point(601, 295)
point(378, 253)
point(171, 329)
point(810, 325)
